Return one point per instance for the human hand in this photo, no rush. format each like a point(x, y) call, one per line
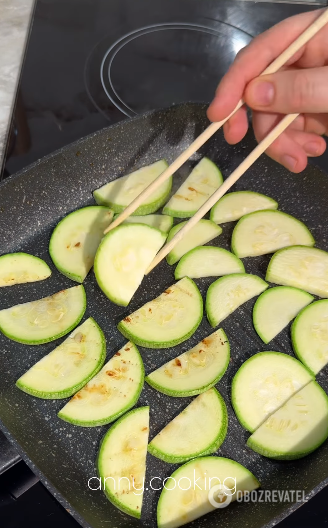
point(300, 87)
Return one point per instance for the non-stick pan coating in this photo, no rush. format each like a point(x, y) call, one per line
point(31, 204)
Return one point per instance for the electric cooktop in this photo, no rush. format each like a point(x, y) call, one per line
point(91, 63)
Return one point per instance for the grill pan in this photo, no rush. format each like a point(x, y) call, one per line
point(31, 204)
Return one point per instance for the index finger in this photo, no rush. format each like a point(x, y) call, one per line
point(253, 60)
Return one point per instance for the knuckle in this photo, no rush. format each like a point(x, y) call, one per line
point(301, 91)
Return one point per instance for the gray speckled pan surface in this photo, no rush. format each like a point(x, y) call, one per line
point(31, 203)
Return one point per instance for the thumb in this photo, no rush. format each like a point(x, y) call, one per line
point(290, 91)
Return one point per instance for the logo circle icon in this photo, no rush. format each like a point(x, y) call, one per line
point(218, 496)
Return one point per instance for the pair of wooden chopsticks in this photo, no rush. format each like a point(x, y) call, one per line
point(318, 24)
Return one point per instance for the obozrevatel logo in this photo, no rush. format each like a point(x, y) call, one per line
point(220, 496)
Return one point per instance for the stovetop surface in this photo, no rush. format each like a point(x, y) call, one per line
point(91, 63)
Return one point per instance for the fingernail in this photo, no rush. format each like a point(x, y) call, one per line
point(312, 148)
point(289, 162)
point(263, 93)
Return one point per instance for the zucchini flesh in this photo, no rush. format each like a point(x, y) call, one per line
point(226, 294)
point(122, 461)
point(112, 392)
point(234, 205)
point(204, 231)
point(69, 366)
point(264, 232)
point(275, 308)
point(158, 221)
point(301, 267)
point(18, 268)
point(168, 320)
point(195, 371)
point(123, 258)
point(181, 504)
point(208, 261)
point(198, 430)
point(201, 183)
point(264, 383)
point(121, 192)
point(74, 241)
point(296, 429)
point(310, 336)
point(46, 319)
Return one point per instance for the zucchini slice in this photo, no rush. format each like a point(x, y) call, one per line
point(158, 221)
point(264, 232)
point(234, 205)
point(74, 241)
point(122, 461)
point(112, 392)
point(122, 259)
point(180, 504)
point(46, 319)
point(208, 261)
point(275, 308)
point(201, 183)
point(310, 336)
point(198, 430)
point(69, 366)
point(299, 427)
point(226, 294)
point(168, 320)
point(204, 231)
point(264, 383)
point(18, 268)
point(301, 267)
point(119, 193)
point(195, 371)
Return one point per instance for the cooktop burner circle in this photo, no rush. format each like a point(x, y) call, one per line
point(163, 64)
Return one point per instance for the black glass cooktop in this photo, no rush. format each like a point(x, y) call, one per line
point(90, 63)
point(161, 64)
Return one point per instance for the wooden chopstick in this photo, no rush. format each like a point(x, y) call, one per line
point(318, 24)
point(237, 173)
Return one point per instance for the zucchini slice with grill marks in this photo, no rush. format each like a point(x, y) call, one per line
point(194, 371)
point(74, 241)
point(201, 183)
point(233, 206)
point(168, 320)
point(46, 319)
point(118, 194)
point(181, 504)
point(112, 392)
point(69, 366)
point(19, 268)
point(298, 428)
point(122, 461)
